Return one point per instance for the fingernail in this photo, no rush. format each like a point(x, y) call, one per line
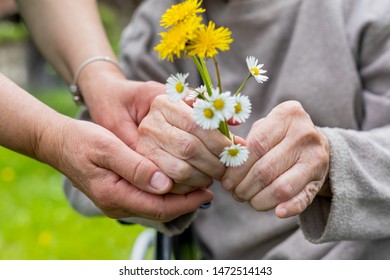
point(159, 181)
point(205, 205)
point(282, 212)
point(228, 184)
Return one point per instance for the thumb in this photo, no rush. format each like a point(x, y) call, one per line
point(137, 170)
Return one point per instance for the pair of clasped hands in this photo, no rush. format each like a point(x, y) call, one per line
point(287, 166)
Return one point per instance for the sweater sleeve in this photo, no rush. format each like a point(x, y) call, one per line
point(360, 160)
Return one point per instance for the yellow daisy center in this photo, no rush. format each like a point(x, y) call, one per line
point(238, 108)
point(255, 71)
point(179, 87)
point(233, 152)
point(208, 113)
point(219, 104)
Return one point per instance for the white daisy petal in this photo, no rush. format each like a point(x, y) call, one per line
point(205, 115)
point(242, 108)
point(195, 93)
point(176, 86)
point(235, 155)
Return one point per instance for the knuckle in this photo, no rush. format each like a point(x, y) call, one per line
point(218, 171)
point(189, 124)
point(145, 129)
point(258, 144)
point(179, 172)
point(158, 102)
point(104, 144)
point(283, 192)
point(311, 137)
point(239, 195)
point(105, 202)
point(301, 204)
point(292, 107)
point(140, 171)
point(152, 86)
point(307, 195)
point(264, 174)
point(187, 147)
point(162, 214)
point(158, 213)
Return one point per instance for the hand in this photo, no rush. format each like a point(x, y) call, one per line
point(119, 181)
point(188, 154)
point(287, 166)
point(116, 103)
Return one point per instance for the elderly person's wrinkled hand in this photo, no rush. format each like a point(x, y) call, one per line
point(185, 152)
point(287, 166)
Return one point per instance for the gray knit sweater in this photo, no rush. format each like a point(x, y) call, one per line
point(333, 56)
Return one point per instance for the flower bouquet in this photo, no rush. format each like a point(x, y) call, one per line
point(186, 35)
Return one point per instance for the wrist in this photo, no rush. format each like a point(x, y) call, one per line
point(326, 189)
point(50, 139)
point(93, 74)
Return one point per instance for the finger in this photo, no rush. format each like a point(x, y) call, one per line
point(127, 131)
point(239, 140)
point(190, 149)
point(186, 123)
point(136, 169)
point(264, 135)
point(184, 189)
point(123, 200)
point(284, 187)
point(299, 202)
point(179, 170)
point(179, 143)
point(274, 163)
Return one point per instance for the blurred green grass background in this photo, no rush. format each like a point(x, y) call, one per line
point(36, 221)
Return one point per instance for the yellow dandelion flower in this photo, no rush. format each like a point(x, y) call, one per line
point(174, 41)
point(209, 40)
point(181, 12)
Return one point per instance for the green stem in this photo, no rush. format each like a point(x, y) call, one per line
point(223, 127)
point(203, 73)
point(243, 84)
point(218, 75)
point(207, 76)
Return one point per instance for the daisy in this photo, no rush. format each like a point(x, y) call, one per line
point(242, 108)
point(255, 69)
point(176, 86)
point(222, 103)
point(199, 92)
point(235, 155)
point(205, 115)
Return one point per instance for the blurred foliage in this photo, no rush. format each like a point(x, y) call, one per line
point(11, 32)
point(15, 31)
point(36, 220)
point(111, 25)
